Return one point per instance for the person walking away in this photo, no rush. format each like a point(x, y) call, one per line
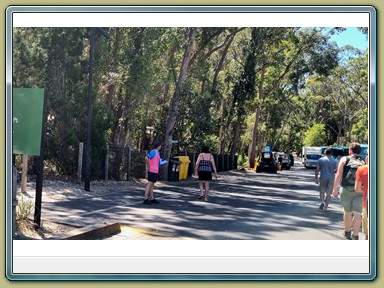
point(292, 158)
point(327, 167)
point(204, 166)
point(350, 199)
point(153, 161)
point(324, 177)
point(280, 159)
point(361, 185)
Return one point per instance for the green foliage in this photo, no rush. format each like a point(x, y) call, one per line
point(307, 81)
point(315, 136)
point(242, 160)
point(363, 30)
point(360, 129)
point(100, 138)
point(244, 87)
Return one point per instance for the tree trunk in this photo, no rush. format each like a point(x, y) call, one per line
point(222, 128)
point(278, 135)
point(252, 152)
point(220, 65)
point(174, 109)
point(236, 135)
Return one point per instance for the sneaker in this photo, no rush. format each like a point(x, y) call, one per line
point(146, 201)
point(325, 208)
point(347, 235)
point(321, 206)
point(154, 201)
point(201, 197)
point(355, 237)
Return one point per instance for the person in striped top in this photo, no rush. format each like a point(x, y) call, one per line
point(204, 167)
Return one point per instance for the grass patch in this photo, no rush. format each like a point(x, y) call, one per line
point(24, 224)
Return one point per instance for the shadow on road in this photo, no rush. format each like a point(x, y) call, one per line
point(242, 206)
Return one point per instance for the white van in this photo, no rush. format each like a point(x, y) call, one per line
point(311, 156)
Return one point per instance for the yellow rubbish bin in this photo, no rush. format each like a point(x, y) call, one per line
point(183, 170)
point(256, 164)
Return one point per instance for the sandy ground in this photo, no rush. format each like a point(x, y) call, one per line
point(55, 190)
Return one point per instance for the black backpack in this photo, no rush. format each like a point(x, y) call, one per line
point(349, 172)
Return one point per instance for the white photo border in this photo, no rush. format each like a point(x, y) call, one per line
point(23, 16)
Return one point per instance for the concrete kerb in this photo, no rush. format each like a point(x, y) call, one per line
point(93, 232)
point(137, 233)
point(100, 231)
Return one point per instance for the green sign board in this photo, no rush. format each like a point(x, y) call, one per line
point(27, 120)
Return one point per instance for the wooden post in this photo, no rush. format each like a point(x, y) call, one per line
point(24, 174)
point(80, 162)
point(106, 163)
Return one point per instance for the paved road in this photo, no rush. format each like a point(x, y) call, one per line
point(242, 205)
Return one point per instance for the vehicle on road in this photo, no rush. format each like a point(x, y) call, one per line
point(364, 151)
point(340, 151)
point(285, 159)
point(311, 156)
point(267, 163)
point(312, 160)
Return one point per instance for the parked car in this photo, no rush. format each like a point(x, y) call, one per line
point(364, 151)
point(285, 160)
point(267, 163)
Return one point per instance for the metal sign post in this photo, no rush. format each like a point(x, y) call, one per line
point(28, 137)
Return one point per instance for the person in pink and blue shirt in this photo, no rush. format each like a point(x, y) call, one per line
point(153, 161)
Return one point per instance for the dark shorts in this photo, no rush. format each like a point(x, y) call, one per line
point(205, 176)
point(152, 177)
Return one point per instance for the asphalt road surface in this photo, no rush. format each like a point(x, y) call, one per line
point(241, 205)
